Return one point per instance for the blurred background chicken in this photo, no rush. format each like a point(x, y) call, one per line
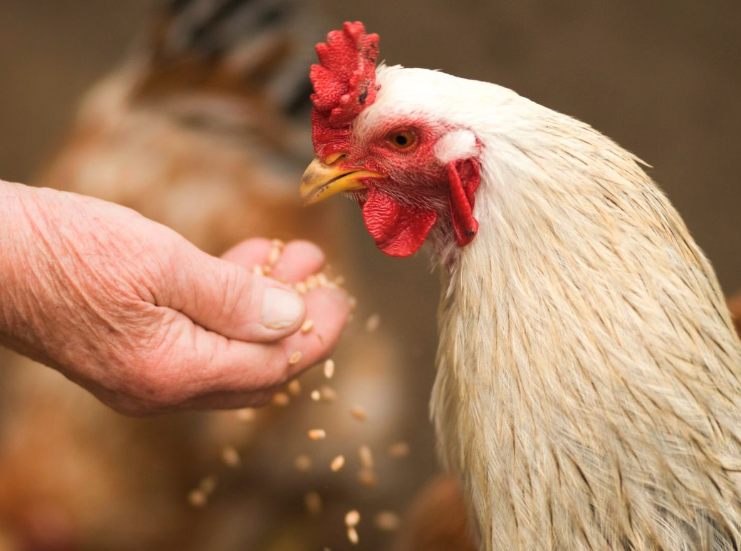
point(628, 67)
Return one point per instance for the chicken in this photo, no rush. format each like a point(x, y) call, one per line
point(588, 372)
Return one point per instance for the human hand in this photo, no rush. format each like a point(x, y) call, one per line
point(144, 320)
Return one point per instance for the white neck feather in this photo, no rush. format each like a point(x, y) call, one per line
point(568, 331)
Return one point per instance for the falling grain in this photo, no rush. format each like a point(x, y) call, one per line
point(352, 535)
point(317, 434)
point(399, 450)
point(359, 413)
point(197, 498)
point(366, 457)
point(295, 358)
point(245, 415)
point(388, 521)
point(372, 323)
point(337, 463)
point(307, 326)
point(294, 388)
point(302, 463)
point(329, 368)
point(281, 399)
point(313, 503)
point(352, 518)
point(230, 457)
point(316, 395)
point(328, 393)
point(367, 478)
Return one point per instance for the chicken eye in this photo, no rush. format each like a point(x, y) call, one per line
point(402, 140)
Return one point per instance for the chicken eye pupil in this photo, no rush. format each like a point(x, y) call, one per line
point(401, 139)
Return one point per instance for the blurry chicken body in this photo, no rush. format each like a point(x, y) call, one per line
point(588, 382)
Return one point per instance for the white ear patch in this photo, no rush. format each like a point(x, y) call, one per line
point(458, 144)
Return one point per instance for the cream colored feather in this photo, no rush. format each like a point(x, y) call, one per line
point(588, 391)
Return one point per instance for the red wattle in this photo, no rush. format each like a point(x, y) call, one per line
point(399, 230)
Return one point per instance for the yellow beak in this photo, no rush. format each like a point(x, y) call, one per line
point(324, 180)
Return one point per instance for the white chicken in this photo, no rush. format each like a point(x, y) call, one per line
point(588, 391)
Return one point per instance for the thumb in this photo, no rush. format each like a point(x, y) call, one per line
point(226, 298)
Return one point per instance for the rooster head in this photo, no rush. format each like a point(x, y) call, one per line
point(381, 136)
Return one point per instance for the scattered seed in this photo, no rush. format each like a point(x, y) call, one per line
point(321, 279)
point(316, 395)
point(372, 323)
point(337, 463)
point(230, 457)
point(197, 498)
point(366, 457)
point(359, 413)
point(399, 450)
point(329, 368)
point(273, 256)
point(302, 463)
point(307, 326)
point(208, 484)
point(313, 503)
point(352, 535)
point(328, 393)
point(245, 415)
point(295, 358)
point(258, 270)
point(352, 518)
point(301, 288)
point(281, 399)
point(277, 243)
point(317, 434)
point(388, 521)
point(367, 478)
point(294, 388)
point(311, 282)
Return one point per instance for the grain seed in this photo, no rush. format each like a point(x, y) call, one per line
point(277, 243)
point(311, 282)
point(399, 450)
point(302, 463)
point(301, 288)
point(197, 498)
point(258, 270)
point(366, 457)
point(359, 413)
point(316, 395)
point(388, 521)
point(367, 478)
point(329, 368)
point(294, 388)
point(317, 434)
point(295, 358)
point(352, 535)
point(245, 415)
point(372, 323)
point(307, 326)
point(281, 399)
point(337, 463)
point(313, 503)
point(230, 457)
point(352, 518)
point(328, 393)
point(273, 256)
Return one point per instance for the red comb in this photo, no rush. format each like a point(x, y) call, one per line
point(344, 84)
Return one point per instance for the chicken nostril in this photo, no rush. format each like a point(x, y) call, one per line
point(335, 158)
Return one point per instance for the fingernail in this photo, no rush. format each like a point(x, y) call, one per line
point(281, 308)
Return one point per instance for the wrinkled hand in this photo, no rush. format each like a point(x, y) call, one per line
point(144, 320)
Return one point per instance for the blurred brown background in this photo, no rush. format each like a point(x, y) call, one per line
point(660, 77)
